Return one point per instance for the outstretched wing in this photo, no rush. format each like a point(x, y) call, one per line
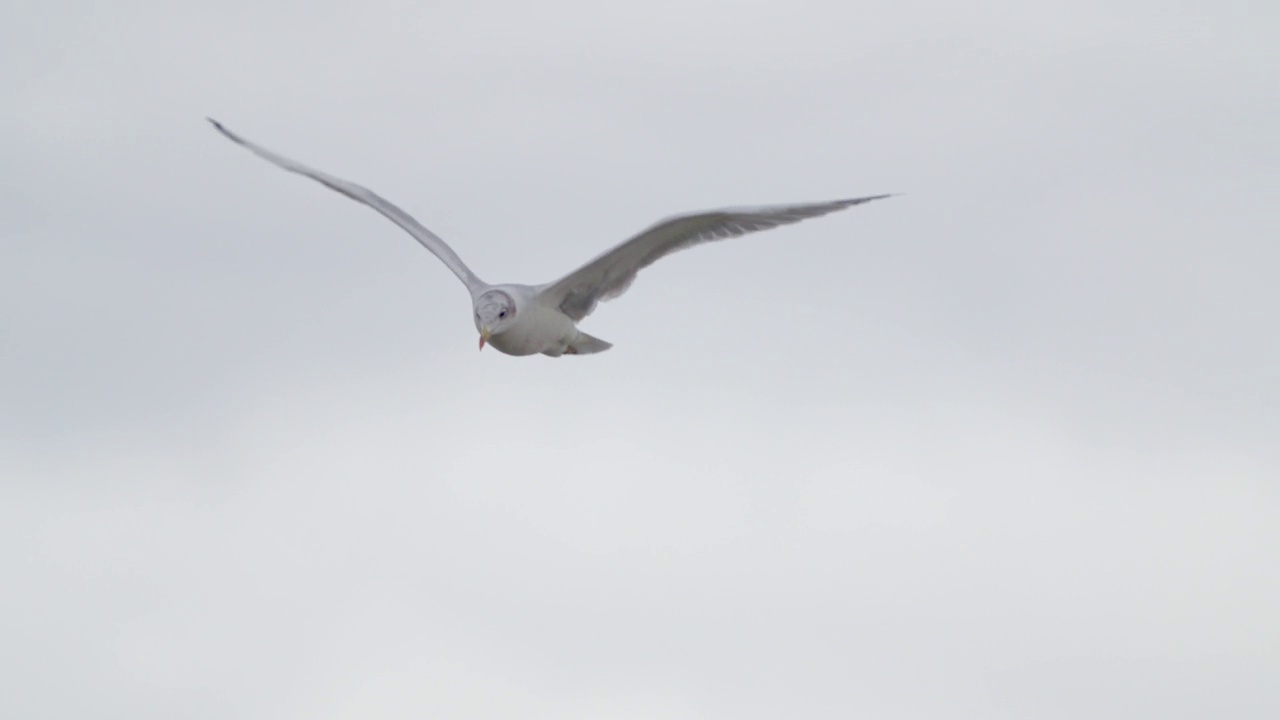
point(610, 274)
point(366, 196)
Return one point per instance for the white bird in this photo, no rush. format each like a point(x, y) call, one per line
point(528, 319)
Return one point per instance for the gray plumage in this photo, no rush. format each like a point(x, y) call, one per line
point(523, 319)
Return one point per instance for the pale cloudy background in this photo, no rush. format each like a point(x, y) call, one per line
point(1003, 447)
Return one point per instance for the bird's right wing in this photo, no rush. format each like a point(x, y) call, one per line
point(366, 196)
point(610, 274)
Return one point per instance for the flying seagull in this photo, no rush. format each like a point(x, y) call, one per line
point(528, 319)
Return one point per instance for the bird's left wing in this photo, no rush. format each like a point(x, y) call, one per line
point(609, 275)
point(364, 195)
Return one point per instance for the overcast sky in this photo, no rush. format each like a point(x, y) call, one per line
point(1005, 446)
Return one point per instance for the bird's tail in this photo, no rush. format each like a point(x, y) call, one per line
point(584, 344)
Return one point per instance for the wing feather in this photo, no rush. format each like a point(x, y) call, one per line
point(364, 195)
point(611, 273)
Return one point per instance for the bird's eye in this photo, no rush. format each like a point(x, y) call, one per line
point(502, 314)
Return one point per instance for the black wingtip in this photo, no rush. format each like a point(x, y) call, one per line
point(870, 198)
point(225, 132)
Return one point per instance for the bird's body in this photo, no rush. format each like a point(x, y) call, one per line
point(531, 319)
point(541, 328)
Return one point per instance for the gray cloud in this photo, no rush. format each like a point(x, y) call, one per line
point(1003, 446)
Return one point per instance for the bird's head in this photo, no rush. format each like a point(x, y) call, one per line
point(495, 311)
